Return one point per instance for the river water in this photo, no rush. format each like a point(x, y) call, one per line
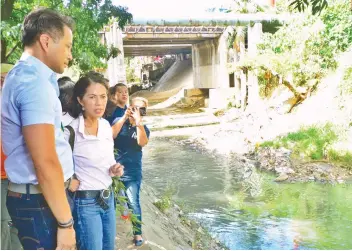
point(244, 208)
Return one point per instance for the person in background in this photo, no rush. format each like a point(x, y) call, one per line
point(131, 137)
point(112, 92)
point(116, 107)
point(118, 95)
point(39, 162)
point(66, 90)
point(111, 105)
point(9, 237)
point(95, 165)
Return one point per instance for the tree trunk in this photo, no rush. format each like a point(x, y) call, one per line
point(291, 88)
point(3, 51)
point(6, 10)
point(299, 95)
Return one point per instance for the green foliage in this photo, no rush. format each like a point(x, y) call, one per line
point(121, 200)
point(11, 34)
point(314, 143)
point(306, 47)
point(311, 141)
point(130, 75)
point(231, 102)
point(246, 6)
point(346, 84)
point(165, 202)
point(337, 35)
point(131, 64)
point(317, 5)
point(90, 18)
point(231, 39)
point(118, 186)
point(344, 158)
point(236, 35)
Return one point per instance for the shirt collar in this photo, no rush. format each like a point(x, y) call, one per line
point(119, 107)
point(81, 127)
point(42, 68)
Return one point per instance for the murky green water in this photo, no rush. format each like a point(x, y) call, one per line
point(243, 208)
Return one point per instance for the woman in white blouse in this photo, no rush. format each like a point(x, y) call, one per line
point(93, 153)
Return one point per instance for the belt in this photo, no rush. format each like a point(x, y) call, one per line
point(91, 194)
point(33, 189)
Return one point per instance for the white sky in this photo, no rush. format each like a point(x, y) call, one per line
point(172, 8)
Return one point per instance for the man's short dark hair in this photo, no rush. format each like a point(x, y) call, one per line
point(44, 20)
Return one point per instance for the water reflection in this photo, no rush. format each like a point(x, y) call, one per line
point(243, 208)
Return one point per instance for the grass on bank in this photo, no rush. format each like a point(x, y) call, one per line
point(165, 201)
point(313, 143)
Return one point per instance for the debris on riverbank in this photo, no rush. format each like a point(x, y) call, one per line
point(242, 134)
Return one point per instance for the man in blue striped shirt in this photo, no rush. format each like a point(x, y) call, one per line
point(39, 161)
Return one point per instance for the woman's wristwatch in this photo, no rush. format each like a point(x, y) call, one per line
point(64, 225)
point(139, 124)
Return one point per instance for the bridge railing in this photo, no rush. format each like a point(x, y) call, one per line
point(173, 29)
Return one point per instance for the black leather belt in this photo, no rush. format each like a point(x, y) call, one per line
point(91, 194)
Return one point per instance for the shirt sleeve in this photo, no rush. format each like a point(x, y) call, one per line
point(36, 101)
point(112, 160)
point(147, 131)
point(114, 121)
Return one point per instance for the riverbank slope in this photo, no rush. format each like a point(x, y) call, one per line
point(312, 143)
point(169, 230)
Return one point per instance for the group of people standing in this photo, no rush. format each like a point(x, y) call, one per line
point(61, 154)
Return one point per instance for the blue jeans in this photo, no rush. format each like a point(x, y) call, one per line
point(132, 191)
point(31, 215)
point(95, 227)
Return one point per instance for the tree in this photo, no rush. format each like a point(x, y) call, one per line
point(241, 6)
point(303, 51)
point(317, 5)
point(90, 17)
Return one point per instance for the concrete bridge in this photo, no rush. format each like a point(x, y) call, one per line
point(206, 38)
point(147, 40)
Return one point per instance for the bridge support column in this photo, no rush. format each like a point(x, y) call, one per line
point(205, 64)
point(223, 80)
point(210, 63)
point(116, 72)
point(254, 37)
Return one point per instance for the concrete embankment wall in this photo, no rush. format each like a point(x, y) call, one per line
point(179, 76)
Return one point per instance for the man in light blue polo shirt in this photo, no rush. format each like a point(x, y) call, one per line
point(39, 160)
